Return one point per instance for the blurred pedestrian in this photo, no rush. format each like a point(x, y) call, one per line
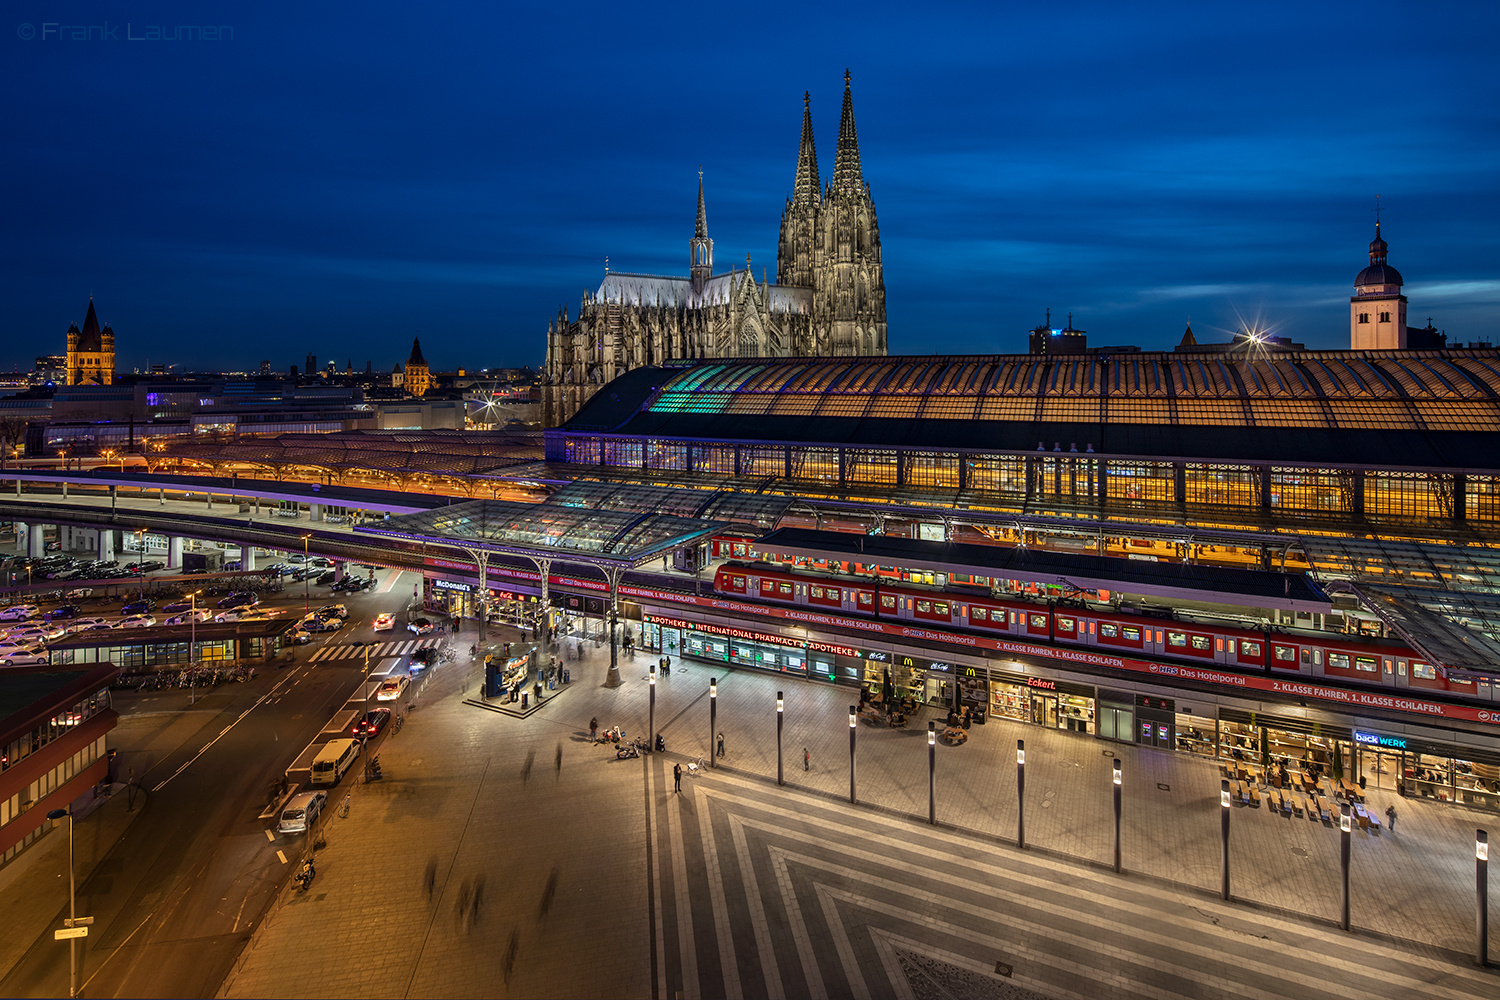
point(594, 728)
point(806, 760)
point(676, 777)
point(721, 744)
point(1390, 815)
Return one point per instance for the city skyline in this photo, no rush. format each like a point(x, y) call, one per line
point(335, 189)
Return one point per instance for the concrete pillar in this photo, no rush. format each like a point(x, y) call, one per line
point(20, 535)
point(106, 545)
point(338, 569)
point(247, 557)
point(174, 552)
point(36, 545)
point(315, 512)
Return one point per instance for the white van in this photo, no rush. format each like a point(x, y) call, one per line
point(301, 812)
point(333, 760)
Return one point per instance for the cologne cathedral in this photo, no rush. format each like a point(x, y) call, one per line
point(828, 298)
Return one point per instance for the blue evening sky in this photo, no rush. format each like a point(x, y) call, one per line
point(337, 177)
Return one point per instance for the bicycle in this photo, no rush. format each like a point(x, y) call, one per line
point(697, 764)
point(396, 725)
point(344, 806)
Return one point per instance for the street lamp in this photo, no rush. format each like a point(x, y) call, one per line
point(72, 905)
point(1346, 826)
point(1482, 893)
point(713, 713)
point(306, 585)
point(1224, 802)
point(652, 717)
point(192, 642)
point(853, 714)
point(1117, 815)
point(932, 773)
point(780, 705)
point(1021, 794)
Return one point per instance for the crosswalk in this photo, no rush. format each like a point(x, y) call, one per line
point(346, 651)
point(762, 894)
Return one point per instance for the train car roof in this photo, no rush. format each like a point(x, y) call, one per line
point(1254, 588)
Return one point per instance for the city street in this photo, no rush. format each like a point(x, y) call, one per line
point(598, 879)
point(177, 896)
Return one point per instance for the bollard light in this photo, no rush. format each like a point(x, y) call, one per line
point(1020, 753)
point(1224, 795)
point(653, 676)
point(1344, 822)
point(713, 687)
point(932, 734)
point(852, 713)
point(1117, 771)
point(780, 702)
point(1482, 847)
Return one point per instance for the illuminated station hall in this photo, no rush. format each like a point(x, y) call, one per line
point(1364, 485)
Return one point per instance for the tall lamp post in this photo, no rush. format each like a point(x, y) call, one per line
point(1224, 802)
point(932, 773)
point(306, 582)
point(1346, 827)
point(713, 720)
point(192, 643)
point(1117, 815)
point(72, 905)
point(1021, 794)
point(853, 715)
point(1482, 892)
point(651, 738)
point(780, 703)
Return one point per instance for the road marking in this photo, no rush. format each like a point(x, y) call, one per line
point(263, 699)
point(270, 836)
point(281, 856)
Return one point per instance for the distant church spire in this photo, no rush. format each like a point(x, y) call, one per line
point(700, 248)
point(846, 172)
point(806, 189)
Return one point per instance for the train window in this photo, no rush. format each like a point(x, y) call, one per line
point(1368, 664)
point(887, 601)
point(1064, 624)
point(1248, 648)
point(1038, 621)
point(1285, 652)
point(942, 608)
point(1306, 655)
point(1423, 671)
point(785, 588)
point(979, 614)
point(1231, 646)
point(1317, 656)
point(1091, 628)
point(1132, 633)
point(1201, 642)
point(1339, 661)
point(1111, 631)
point(924, 607)
point(817, 592)
point(1158, 637)
point(865, 597)
point(1177, 638)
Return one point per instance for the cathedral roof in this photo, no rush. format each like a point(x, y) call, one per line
point(678, 293)
point(90, 339)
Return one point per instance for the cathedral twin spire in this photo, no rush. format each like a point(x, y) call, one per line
point(846, 172)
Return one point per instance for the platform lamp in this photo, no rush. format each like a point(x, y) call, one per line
point(1117, 815)
point(1482, 893)
point(1225, 801)
point(1021, 794)
point(652, 717)
point(932, 773)
point(853, 715)
point(713, 720)
point(56, 814)
point(780, 713)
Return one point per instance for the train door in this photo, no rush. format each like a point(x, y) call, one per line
point(1401, 672)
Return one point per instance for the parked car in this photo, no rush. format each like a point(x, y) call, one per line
point(421, 626)
point(301, 812)
point(240, 599)
point(19, 612)
point(325, 577)
point(200, 614)
point(141, 607)
point(136, 621)
point(36, 633)
point(392, 688)
point(177, 606)
point(79, 593)
point(371, 724)
point(384, 622)
point(312, 623)
point(22, 656)
point(84, 624)
point(64, 612)
point(299, 636)
point(332, 611)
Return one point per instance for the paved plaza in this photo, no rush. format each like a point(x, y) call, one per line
point(599, 880)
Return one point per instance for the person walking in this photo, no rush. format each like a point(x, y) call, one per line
point(1390, 815)
point(676, 777)
point(594, 729)
point(721, 744)
point(806, 760)
point(667, 665)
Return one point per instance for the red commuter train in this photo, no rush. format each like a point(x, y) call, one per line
point(1378, 662)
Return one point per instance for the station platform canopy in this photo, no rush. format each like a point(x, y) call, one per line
point(1433, 622)
point(620, 536)
point(1258, 588)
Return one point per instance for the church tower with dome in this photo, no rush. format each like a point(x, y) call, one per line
point(1377, 310)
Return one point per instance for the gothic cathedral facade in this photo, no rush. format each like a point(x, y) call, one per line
point(828, 299)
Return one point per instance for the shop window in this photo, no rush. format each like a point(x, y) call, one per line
point(1339, 661)
point(979, 614)
point(1038, 621)
point(1248, 648)
point(1201, 642)
point(887, 601)
point(1423, 671)
point(1065, 624)
point(1366, 663)
point(1176, 638)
